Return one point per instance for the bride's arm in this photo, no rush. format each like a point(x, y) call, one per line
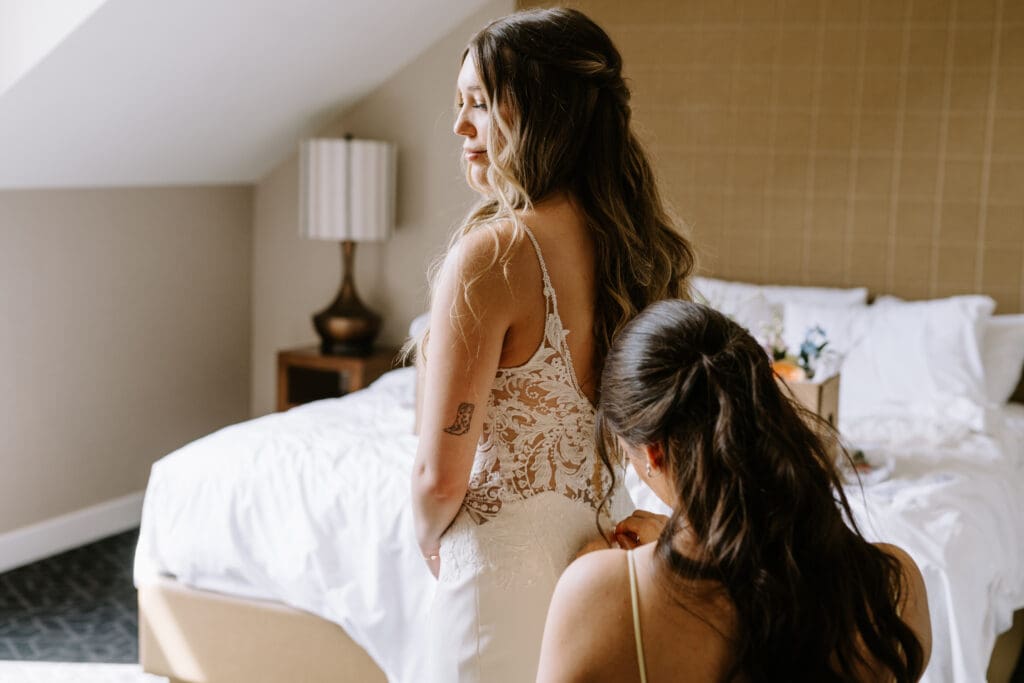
point(462, 359)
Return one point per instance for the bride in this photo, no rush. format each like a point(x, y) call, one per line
point(568, 242)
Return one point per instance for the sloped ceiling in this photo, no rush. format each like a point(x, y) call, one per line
point(29, 29)
point(150, 92)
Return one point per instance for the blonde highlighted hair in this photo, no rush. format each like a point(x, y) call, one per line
point(560, 121)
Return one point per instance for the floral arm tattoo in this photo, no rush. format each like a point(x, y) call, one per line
point(462, 418)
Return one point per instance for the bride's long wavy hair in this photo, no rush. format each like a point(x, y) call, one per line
point(760, 495)
point(560, 121)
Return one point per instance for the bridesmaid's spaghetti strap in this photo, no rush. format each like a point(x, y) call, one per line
point(636, 617)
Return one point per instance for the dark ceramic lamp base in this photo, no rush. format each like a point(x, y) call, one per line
point(347, 327)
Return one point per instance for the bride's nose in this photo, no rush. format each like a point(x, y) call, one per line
point(463, 126)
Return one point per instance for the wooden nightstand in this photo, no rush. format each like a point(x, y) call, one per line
point(305, 374)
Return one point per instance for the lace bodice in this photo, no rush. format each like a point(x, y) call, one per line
point(538, 433)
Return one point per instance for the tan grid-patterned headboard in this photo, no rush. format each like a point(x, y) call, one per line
point(838, 142)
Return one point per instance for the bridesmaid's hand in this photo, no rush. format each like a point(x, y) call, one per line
point(640, 528)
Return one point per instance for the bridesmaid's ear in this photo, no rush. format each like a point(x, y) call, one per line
point(655, 453)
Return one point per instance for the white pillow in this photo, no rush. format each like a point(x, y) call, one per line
point(844, 326)
point(726, 290)
point(1002, 354)
point(755, 306)
point(920, 358)
point(418, 324)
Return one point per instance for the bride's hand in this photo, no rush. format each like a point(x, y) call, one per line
point(640, 528)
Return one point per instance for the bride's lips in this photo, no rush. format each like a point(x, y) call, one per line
point(475, 154)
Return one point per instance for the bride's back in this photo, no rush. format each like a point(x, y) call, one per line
point(568, 252)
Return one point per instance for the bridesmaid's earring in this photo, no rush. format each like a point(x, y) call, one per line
point(649, 474)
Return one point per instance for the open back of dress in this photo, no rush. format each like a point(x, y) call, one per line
point(533, 494)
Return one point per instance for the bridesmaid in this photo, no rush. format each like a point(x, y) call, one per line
point(760, 573)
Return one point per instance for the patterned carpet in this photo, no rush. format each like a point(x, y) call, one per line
point(78, 606)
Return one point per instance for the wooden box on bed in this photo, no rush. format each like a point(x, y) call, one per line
point(820, 397)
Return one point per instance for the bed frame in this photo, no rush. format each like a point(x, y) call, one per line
point(197, 636)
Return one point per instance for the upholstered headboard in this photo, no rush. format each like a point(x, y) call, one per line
point(873, 144)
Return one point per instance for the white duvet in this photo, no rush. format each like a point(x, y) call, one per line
point(308, 507)
point(958, 509)
point(311, 508)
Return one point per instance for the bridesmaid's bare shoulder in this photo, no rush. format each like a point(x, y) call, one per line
point(914, 602)
point(588, 614)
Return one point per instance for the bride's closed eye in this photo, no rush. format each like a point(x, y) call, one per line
point(475, 105)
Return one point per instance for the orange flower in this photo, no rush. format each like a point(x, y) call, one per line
point(789, 371)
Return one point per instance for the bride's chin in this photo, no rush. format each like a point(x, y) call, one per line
point(477, 178)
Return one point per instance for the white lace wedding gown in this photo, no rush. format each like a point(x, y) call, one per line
point(533, 494)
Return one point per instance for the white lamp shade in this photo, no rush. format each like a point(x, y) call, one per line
point(347, 189)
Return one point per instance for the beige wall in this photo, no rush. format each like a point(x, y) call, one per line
point(875, 142)
point(293, 278)
point(124, 330)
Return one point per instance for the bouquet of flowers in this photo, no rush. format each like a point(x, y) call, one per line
point(806, 362)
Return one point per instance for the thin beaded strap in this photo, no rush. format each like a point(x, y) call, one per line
point(549, 291)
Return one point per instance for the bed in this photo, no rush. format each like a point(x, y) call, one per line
point(282, 548)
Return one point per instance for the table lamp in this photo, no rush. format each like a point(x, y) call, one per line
point(347, 194)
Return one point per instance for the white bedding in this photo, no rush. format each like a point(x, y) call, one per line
point(958, 509)
point(311, 508)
